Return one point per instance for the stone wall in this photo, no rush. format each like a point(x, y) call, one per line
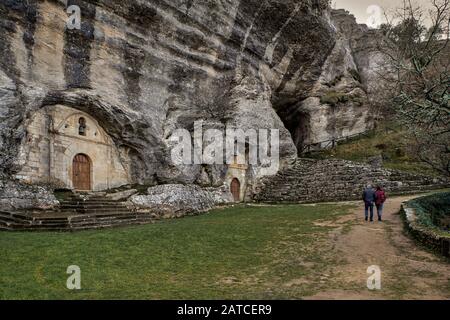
point(308, 180)
point(426, 232)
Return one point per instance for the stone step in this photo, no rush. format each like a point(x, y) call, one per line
point(84, 206)
point(14, 218)
point(91, 198)
point(104, 203)
point(98, 220)
point(97, 217)
point(50, 223)
point(85, 212)
point(18, 215)
point(117, 225)
point(112, 203)
point(6, 219)
point(110, 223)
point(88, 225)
point(76, 213)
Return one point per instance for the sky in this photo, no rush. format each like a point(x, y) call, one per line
point(360, 8)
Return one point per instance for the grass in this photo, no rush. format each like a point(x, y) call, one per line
point(389, 141)
point(244, 252)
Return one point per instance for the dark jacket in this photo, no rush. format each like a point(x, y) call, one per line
point(369, 195)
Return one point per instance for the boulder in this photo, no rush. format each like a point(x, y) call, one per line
point(176, 200)
point(121, 195)
point(18, 196)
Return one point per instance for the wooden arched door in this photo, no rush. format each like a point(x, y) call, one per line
point(81, 172)
point(236, 189)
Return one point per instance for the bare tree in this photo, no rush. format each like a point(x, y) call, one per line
point(417, 78)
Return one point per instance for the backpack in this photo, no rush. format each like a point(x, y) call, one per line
point(381, 197)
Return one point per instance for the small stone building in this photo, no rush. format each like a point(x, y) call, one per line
point(68, 148)
point(236, 180)
point(238, 177)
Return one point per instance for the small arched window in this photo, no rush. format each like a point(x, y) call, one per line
point(82, 126)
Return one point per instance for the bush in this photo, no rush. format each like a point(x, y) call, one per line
point(333, 98)
point(355, 74)
point(433, 211)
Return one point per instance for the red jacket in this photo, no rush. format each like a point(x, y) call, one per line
point(380, 197)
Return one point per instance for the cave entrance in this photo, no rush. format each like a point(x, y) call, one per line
point(297, 122)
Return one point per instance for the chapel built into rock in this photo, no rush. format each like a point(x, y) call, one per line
point(68, 148)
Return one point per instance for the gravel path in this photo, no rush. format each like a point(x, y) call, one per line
point(407, 270)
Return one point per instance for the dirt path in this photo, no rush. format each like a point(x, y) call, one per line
point(407, 271)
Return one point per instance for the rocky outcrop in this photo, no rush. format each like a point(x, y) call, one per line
point(121, 195)
point(146, 68)
point(309, 180)
point(17, 196)
point(337, 106)
point(175, 200)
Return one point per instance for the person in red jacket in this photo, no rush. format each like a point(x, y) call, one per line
point(380, 198)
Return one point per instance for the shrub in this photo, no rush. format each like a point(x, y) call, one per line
point(333, 98)
point(433, 211)
point(355, 74)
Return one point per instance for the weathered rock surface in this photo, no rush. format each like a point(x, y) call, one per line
point(145, 68)
point(121, 195)
point(17, 196)
point(337, 105)
point(176, 200)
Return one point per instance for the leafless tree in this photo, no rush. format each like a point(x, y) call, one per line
point(417, 77)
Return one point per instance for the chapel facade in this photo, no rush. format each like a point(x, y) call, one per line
point(68, 148)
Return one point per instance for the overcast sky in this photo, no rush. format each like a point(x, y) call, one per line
point(359, 7)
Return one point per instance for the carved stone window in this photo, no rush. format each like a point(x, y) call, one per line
point(82, 126)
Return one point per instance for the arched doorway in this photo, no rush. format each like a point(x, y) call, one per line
point(81, 172)
point(236, 189)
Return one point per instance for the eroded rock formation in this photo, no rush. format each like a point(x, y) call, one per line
point(337, 106)
point(174, 200)
point(14, 196)
point(145, 68)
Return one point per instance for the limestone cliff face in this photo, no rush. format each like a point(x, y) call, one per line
point(337, 105)
point(145, 68)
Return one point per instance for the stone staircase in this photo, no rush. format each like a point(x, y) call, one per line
point(310, 180)
point(77, 212)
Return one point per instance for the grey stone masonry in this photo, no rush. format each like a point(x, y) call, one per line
point(309, 180)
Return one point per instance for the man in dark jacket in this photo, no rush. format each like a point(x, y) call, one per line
point(369, 200)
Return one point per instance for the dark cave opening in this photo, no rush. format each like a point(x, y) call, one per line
point(297, 122)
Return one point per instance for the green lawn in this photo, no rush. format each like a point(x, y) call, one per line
point(242, 252)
